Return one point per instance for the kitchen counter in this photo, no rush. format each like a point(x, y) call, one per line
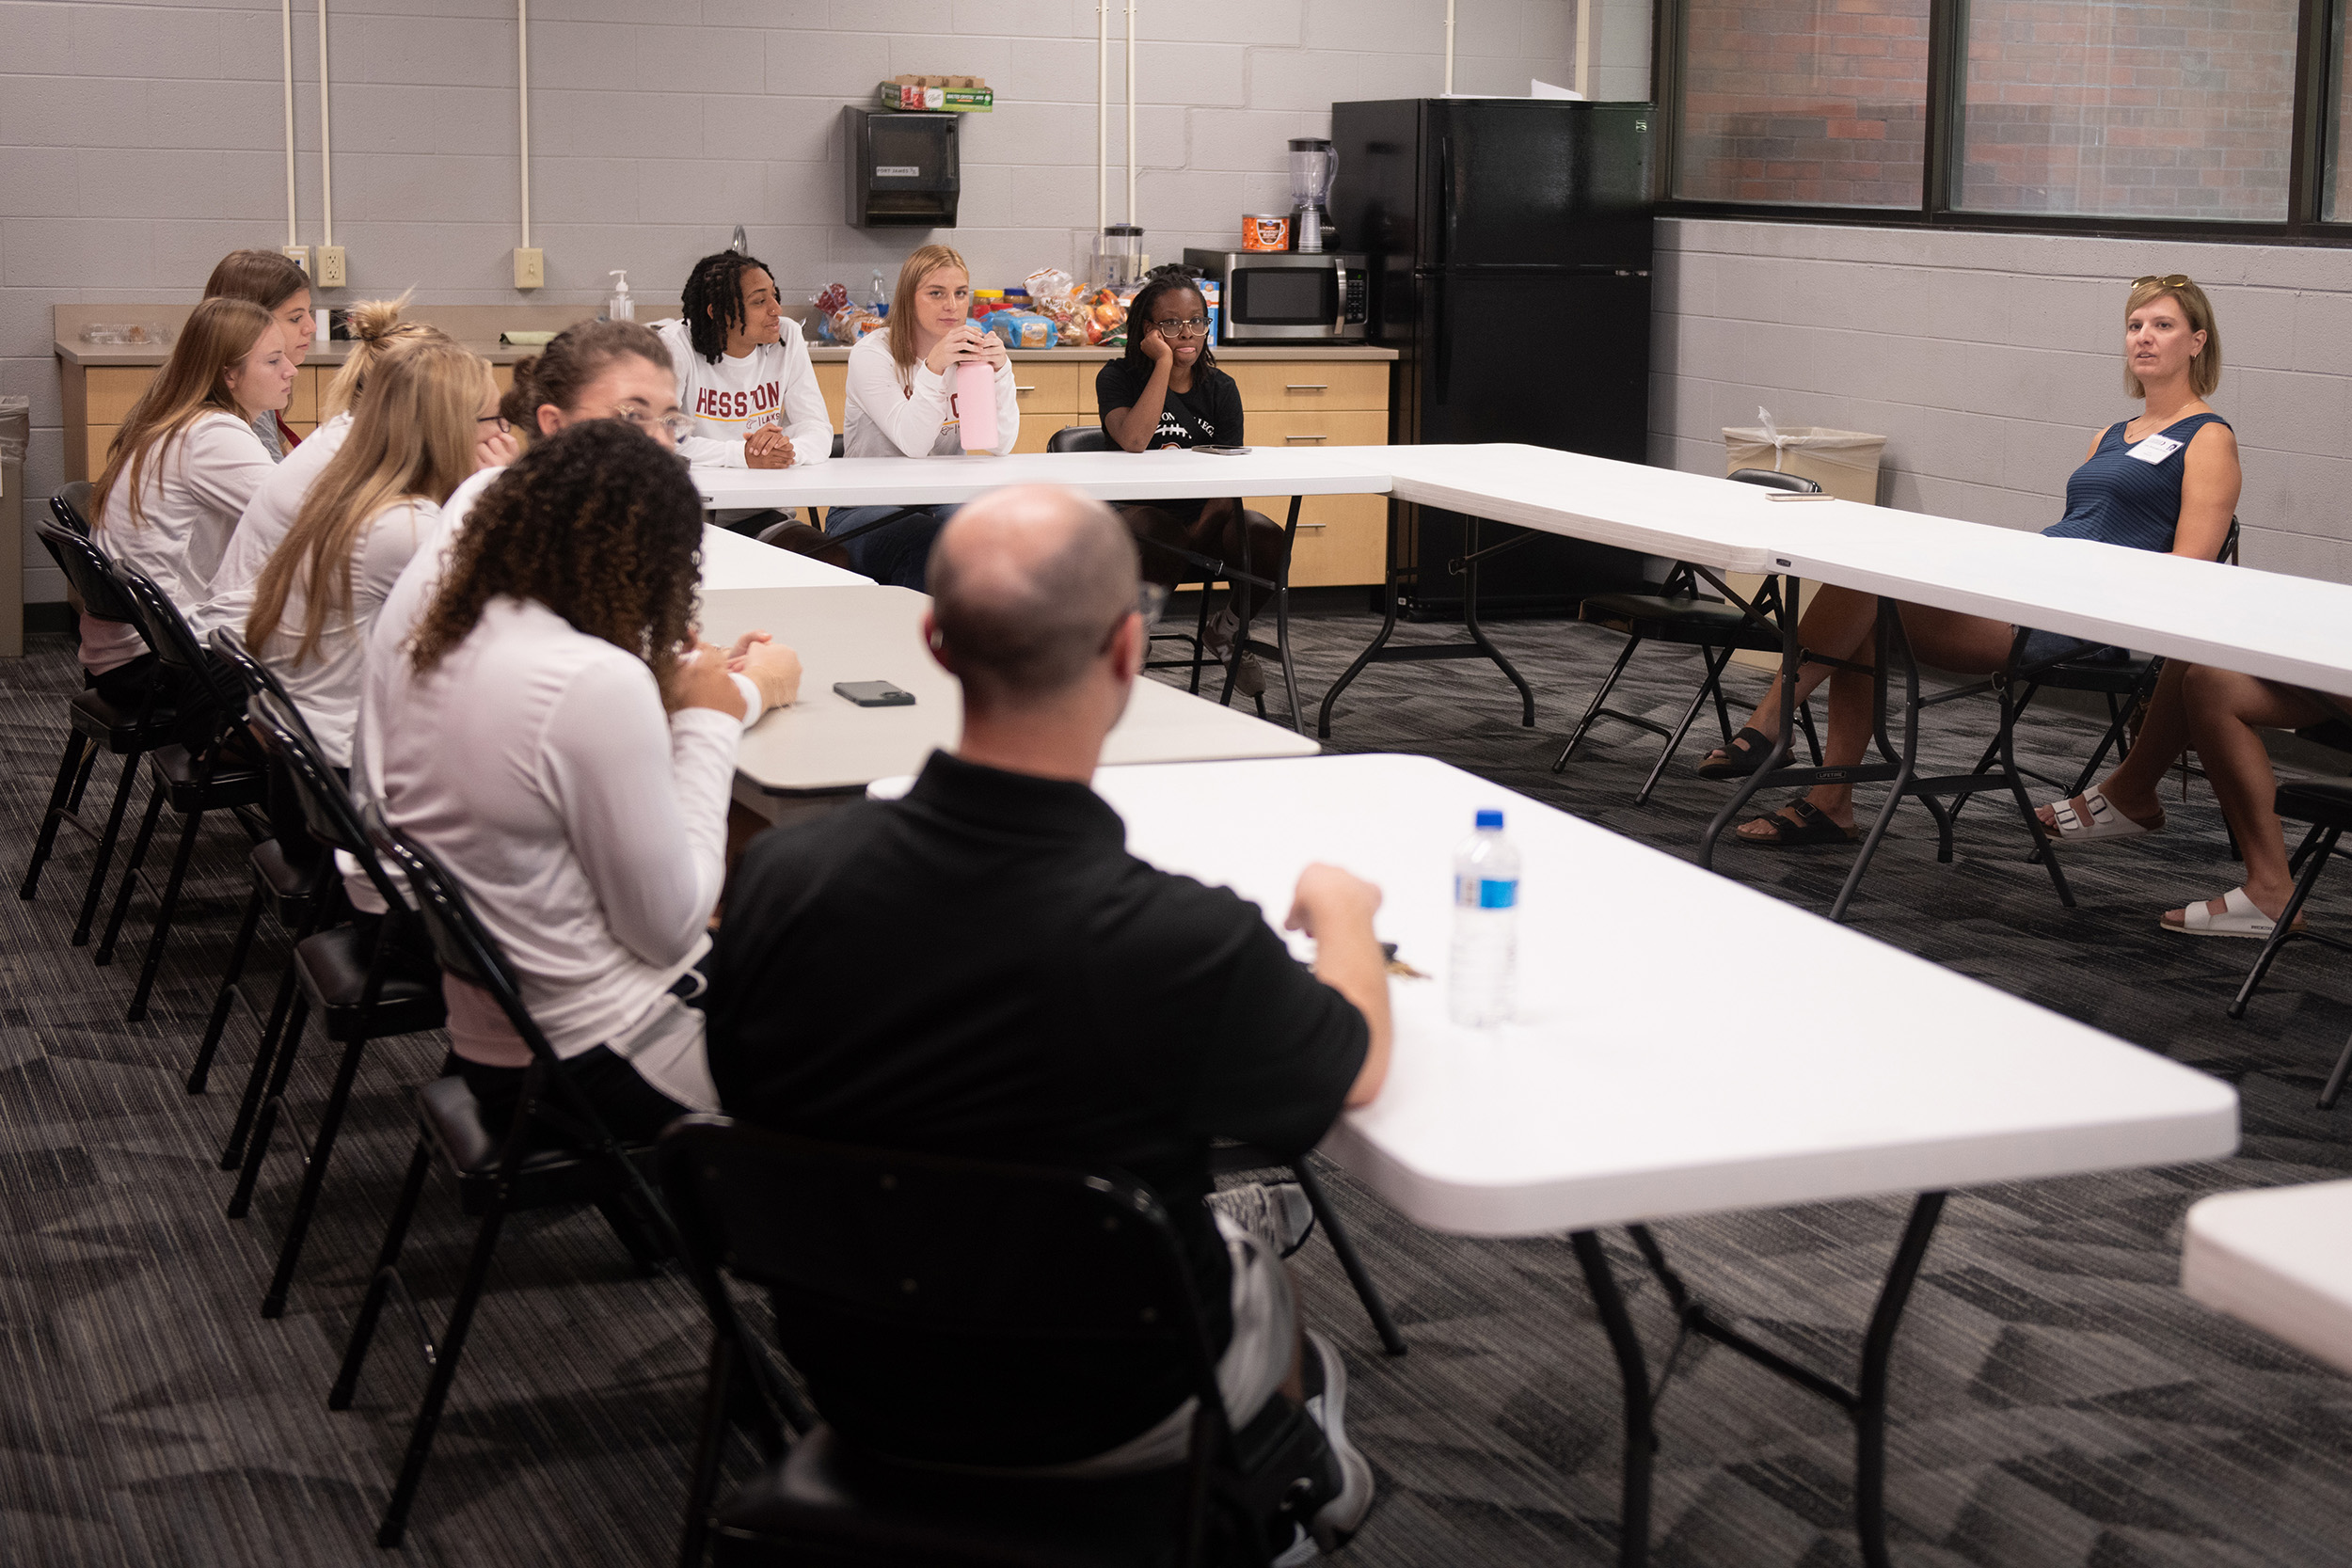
point(330, 352)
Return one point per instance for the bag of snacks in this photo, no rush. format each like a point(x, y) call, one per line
point(845, 321)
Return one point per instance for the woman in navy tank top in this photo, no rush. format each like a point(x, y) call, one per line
point(2166, 481)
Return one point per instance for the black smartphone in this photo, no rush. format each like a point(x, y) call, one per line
point(873, 694)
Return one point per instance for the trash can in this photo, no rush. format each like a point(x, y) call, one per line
point(16, 428)
point(1845, 463)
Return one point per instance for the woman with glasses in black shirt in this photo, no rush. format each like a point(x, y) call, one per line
point(1166, 391)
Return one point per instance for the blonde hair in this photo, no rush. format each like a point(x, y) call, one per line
point(910, 276)
point(376, 327)
point(412, 436)
point(219, 333)
point(2204, 370)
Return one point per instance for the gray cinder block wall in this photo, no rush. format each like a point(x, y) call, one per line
point(138, 142)
point(1990, 360)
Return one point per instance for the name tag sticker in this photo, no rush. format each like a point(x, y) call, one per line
point(2155, 449)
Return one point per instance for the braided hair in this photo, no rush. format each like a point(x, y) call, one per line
point(1160, 282)
point(713, 301)
point(598, 523)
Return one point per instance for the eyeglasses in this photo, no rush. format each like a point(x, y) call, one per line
point(677, 423)
point(498, 420)
point(1191, 327)
point(1151, 598)
point(2169, 281)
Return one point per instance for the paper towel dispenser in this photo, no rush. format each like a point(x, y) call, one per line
point(901, 169)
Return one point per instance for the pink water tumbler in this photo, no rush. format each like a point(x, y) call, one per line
point(975, 406)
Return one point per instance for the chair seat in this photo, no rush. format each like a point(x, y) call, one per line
point(119, 730)
point(231, 784)
point(333, 969)
point(827, 1504)
point(2328, 802)
point(2120, 677)
point(1661, 618)
point(450, 1115)
point(288, 881)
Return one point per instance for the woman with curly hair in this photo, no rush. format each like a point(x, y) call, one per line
point(557, 739)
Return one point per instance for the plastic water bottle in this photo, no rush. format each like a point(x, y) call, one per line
point(1482, 981)
point(976, 405)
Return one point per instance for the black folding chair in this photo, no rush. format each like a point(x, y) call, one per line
point(194, 779)
point(365, 981)
point(496, 1176)
point(2327, 805)
point(1681, 615)
point(1207, 570)
point(1236, 1159)
point(292, 878)
point(951, 1250)
point(94, 724)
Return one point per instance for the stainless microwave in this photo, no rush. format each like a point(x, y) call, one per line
point(1285, 296)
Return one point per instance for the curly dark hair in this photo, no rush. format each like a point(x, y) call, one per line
point(713, 300)
point(1158, 284)
point(598, 523)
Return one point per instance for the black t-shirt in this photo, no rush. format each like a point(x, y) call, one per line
point(983, 970)
point(1207, 415)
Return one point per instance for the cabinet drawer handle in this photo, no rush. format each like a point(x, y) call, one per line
point(1304, 527)
point(1306, 437)
point(1018, 388)
point(1307, 386)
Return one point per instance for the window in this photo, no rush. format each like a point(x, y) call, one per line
point(1805, 100)
point(2211, 117)
point(2127, 109)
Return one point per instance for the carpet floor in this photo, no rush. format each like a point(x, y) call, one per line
point(2057, 1402)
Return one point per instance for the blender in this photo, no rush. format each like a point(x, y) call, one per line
point(1312, 166)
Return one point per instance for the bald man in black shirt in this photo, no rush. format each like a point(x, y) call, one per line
point(983, 970)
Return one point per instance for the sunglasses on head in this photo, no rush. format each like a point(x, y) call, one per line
point(2169, 281)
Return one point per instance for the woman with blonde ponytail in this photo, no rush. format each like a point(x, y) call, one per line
point(377, 330)
point(412, 440)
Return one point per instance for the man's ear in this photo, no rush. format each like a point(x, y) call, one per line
point(936, 643)
point(1129, 644)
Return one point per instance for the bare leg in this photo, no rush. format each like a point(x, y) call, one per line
point(2222, 712)
point(1838, 623)
point(1969, 644)
point(2163, 736)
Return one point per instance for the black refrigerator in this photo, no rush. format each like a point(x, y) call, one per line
point(1509, 242)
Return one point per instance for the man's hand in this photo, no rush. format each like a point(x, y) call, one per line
point(1330, 899)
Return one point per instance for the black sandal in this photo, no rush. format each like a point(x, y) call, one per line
point(1744, 756)
point(1812, 826)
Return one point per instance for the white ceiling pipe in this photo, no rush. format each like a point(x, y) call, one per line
point(522, 109)
point(285, 42)
point(1448, 48)
point(1584, 48)
point(326, 167)
point(1101, 118)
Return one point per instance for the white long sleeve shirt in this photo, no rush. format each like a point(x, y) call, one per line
point(773, 385)
point(268, 517)
point(888, 417)
point(587, 826)
point(191, 495)
point(326, 685)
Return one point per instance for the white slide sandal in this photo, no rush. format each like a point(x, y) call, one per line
point(2105, 820)
point(2239, 917)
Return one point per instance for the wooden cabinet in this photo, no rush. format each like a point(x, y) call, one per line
point(97, 399)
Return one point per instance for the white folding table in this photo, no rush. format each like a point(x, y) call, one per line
point(824, 749)
point(732, 561)
point(2280, 1259)
point(1583, 1113)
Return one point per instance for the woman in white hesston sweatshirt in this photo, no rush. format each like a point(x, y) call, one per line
point(744, 377)
point(902, 404)
point(181, 470)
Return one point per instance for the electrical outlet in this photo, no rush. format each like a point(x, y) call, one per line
point(531, 268)
point(298, 254)
point(330, 273)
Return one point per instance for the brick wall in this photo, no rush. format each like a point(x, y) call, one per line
point(2120, 108)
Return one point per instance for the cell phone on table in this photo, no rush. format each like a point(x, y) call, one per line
point(873, 694)
point(1223, 452)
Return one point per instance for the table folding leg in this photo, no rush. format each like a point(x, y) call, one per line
point(1478, 646)
point(1865, 1402)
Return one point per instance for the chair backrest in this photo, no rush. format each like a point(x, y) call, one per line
point(1769, 478)
point(840, 444)
point(175, 646)
point(92, 574)
point(70, 506)
point(327, 808)
point(2229, 544)
point(464, 946)
point(1081, 437)
point(257, 676)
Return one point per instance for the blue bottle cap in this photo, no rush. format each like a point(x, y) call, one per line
point(1490, 819)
